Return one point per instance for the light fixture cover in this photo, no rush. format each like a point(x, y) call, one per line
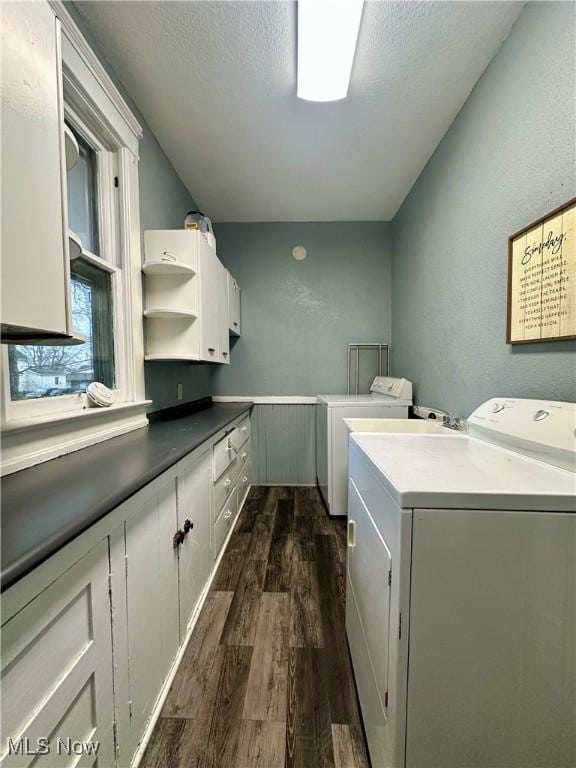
point(327, 37)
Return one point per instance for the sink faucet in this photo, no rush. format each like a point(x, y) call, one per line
point(434, 414)
point(454, 422)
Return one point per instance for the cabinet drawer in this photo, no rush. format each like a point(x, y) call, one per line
point(224, 454)
point(244, 454)
point(241, 434)
point(224, 486)
point(243, 484)
point(224, 523)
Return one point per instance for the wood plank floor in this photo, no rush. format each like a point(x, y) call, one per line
point(266, 680)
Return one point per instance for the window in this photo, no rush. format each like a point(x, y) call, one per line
point(42, 401)
point(53, 371)
point(83, 196)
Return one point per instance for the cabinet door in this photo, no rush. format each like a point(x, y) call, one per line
point(208, 302)
point(145, 602)
point(194, 483)
point(223, 315)
point(34, 248)
point(57, 667)
point(233, 305)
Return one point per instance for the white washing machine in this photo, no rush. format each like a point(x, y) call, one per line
point(461, 590)
point(389, 398)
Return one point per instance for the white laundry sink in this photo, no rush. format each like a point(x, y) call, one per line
point(399, 426)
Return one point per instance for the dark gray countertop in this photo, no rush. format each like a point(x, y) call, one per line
point(46, 506)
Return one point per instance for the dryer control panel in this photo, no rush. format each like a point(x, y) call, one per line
point(399, 389)
point(543, 429)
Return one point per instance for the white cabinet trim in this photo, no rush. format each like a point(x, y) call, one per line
point(27, 444)
point(267, 399)
point(94, 65)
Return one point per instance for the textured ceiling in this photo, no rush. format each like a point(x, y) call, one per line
point(216, 82)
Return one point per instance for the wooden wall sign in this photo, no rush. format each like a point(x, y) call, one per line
point(542, 279)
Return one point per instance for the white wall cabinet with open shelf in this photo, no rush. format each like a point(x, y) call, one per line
point(186, 298)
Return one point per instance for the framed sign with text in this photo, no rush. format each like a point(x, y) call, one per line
point(542, 279)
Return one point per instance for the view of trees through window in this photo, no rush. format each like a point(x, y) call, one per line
point(50, 371)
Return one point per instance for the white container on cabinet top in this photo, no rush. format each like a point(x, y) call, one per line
point(35, 272)
point(233, 305)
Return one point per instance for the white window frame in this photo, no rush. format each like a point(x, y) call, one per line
point(37, 430)
point(111, 261)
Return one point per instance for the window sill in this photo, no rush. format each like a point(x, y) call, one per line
point(30, 441)
point(35, 422)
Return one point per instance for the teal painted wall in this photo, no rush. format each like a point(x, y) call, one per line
point(164, 202)
point(298, 317)
point(506, 160)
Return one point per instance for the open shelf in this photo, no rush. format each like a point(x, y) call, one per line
point(166, 313)
point(150, 358)
point(71, 147)
point(74, 245)
point(160, 267)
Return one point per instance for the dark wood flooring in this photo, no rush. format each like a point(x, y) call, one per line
point(266, 680)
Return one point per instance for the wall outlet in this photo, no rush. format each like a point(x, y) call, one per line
point(180, 392)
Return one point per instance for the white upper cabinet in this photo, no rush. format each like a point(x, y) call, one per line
point(223, 314)
point(185, 298)
point(233, 305)
point(208, 302)
point(35, 271)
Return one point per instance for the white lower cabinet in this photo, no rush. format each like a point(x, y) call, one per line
point(57, 669)
point(231, 481)
point(195, 564)
point(224, 522)
point(145, 605)
point(91, 636)
point(244, 483)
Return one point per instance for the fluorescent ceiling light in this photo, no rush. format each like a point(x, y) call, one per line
point(327, 36)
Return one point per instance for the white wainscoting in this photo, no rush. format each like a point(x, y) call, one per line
point(283, 440)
